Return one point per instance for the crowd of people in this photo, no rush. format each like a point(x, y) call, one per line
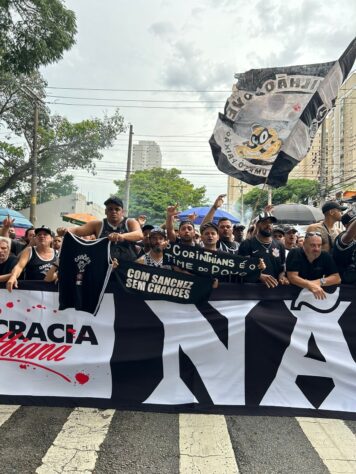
point(322, 256)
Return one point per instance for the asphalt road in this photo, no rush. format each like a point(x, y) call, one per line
point(55, 440)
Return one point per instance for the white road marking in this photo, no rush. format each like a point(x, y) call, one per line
point(333, 441)
point(77, 444)
point(205, 445)
point(6, 411)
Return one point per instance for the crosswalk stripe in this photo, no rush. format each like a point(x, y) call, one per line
point(333, 441)
point(77, 444)
point(6, 411)
point(205, 445)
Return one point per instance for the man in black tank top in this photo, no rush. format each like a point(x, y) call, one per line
point(123, 232)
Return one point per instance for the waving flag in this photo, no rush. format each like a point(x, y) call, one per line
point(272, 116)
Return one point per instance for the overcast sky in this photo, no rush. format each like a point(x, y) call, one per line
point(177, 46)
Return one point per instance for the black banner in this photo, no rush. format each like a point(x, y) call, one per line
point(206, 262)
point(247, 350)
point(162, 284)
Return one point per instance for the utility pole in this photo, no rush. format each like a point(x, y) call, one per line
point(34, 173)
point(269, 196)
point(128, 171)
point(242, 187)
point(34, 168)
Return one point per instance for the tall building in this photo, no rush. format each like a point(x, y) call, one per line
point(146, 155)
point(332, 157)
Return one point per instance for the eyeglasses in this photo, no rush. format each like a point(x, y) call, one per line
point(312, 234)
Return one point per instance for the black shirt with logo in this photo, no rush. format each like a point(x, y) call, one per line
point(272, 253)
point(322, 266)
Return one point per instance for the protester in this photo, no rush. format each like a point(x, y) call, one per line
point(278, 234)
point(7, 261)
point(57, 243)
point(123, 232)
point(144, 246)
point(310, 267)
point(226, 241)
point(290, 238)
point(158, 242)
point(34, 261)
point(238, 233)
point(300, 240)
point(186, 230)
point(270, 250)
point(17, 245)
point(332, 211)
point(209, 236)
point(344, 250)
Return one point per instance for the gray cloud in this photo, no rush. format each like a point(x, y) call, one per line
point(162, 29)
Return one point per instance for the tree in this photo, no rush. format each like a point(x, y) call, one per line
point(152, 191)
point(34, 33)
point(61, 143)
point(296, 190)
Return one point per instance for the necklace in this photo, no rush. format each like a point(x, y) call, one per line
point(264, 245)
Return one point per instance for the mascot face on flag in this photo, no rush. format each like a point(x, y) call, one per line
point(272, 116)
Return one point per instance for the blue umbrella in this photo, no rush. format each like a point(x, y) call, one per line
point(202, 212)
point(20, 219)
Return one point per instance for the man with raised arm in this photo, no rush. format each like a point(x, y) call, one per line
point(186, 231)
point(226, 241)
point(122, 231)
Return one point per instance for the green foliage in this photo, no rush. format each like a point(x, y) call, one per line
point(34, 33)
point(152, 191)
point(295, 191)
point(61, 144)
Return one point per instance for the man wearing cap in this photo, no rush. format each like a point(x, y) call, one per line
point(344, 250)
point(34, 261)
point(226, 242)
point(158, 242)
point(311, 268)
point(272, 252)
point(332, 211)
point(278, 233)
point(209, 235)
point(290, 238)
point(186, 230)
point(121, 231)
point(238, 233)
point(144, 245)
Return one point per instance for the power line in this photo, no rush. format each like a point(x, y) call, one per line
point(138, 90)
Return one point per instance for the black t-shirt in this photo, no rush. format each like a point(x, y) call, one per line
point(273, 254)
point(227, 246)
point(344, 256)
point(7, 266)
point(17, 246)
point(322, 266)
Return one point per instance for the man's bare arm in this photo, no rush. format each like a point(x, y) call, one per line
point(219, 201)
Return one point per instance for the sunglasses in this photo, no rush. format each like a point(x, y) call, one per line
point(312, 234)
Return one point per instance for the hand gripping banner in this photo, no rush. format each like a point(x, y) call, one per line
point(272, 116)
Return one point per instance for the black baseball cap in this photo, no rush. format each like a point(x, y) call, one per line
point(329, 205)
point(207, 225)
point(278, 229)
point(238, 226)
point(114, 200)
point(158, 230)
point(44, 229)
point(264, 216)
point(147, 227)
point(186, 221)
point(348, 217)
point(290, 228)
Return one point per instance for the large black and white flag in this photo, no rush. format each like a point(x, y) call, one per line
point(272, 116)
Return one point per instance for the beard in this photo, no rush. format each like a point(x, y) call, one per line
point(266, 233)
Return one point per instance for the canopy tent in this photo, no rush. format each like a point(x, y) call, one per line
point(202, 212)
point(20, 221)
point(79, 219)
